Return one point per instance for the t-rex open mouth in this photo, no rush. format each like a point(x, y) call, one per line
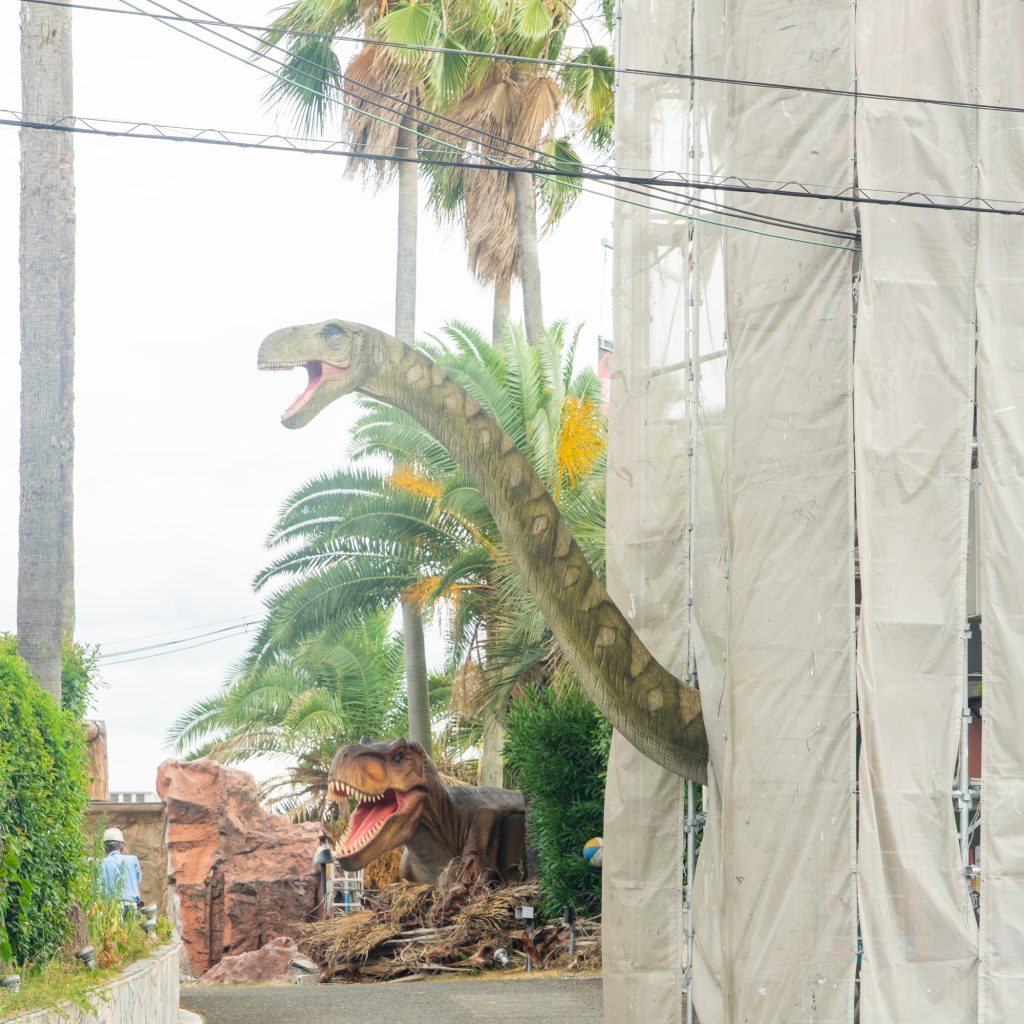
point(371, 814)
point(318, 371)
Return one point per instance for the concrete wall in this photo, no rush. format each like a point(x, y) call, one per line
point(146, 993)
point(145, 834)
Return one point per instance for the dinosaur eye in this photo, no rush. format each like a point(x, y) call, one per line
point(398, 757)
point(333, 334)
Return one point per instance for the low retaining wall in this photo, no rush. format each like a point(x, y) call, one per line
point(147, 992)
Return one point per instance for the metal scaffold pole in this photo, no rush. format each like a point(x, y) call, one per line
point(693, 364)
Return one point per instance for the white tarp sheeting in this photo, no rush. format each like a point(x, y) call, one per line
point(1000, 298)
point(914, 389)
point(642, 908)
point(789, 907)
point(818, 385)
point(710, 541)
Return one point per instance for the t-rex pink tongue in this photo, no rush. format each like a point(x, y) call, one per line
point(367, 820)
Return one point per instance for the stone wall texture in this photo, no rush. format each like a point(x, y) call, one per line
point(144, 827)
point(147, 992)
point(238, 875)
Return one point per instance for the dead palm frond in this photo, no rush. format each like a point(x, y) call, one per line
point(382, 93)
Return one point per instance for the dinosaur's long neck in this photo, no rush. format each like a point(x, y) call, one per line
point(612, 663)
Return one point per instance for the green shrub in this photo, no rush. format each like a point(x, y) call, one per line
point(556, 751)
point(43, 796)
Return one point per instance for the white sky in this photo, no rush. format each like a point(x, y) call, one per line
point(187, 256)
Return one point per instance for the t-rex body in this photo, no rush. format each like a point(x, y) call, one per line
point(450, 833)
point(653, 709)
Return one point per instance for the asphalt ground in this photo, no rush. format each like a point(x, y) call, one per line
point(513, 1001)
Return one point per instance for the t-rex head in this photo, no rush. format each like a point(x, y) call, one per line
point(390, 782)
point(338, 355)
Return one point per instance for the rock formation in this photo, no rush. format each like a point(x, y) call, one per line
point(238, 875)
point(259, 967)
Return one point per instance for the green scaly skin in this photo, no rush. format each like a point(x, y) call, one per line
point(654, 710)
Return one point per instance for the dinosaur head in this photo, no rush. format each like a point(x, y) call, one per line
point(338, 355)
point(390, 782)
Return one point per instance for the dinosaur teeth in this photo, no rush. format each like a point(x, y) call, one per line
point(274, 367)
point(338, 790)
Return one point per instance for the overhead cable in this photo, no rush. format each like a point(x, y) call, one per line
point(116, 660)
point(400, 107)
point(323, 147)
point(168, 644)
point(548, 62)
point(169, 632)
point(538, 170)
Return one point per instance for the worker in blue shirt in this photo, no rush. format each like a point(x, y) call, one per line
point(120, 873)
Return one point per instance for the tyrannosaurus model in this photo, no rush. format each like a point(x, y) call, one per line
point(653, 709)
point(450, 833)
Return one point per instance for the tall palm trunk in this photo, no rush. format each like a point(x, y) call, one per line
point(405, 269)
point(416, 685)
point(491, 766)
point(529, 262)
point(416, 670)
point(47, 264)
point(502, 305)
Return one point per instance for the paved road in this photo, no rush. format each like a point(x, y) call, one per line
point(533, 1000)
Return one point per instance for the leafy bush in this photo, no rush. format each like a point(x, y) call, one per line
point(43, 795)
point(556, 751)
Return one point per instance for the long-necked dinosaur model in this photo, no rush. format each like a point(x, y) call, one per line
point(656, 712)
point(450, 833)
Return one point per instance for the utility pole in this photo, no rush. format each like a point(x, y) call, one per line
point(47, 266)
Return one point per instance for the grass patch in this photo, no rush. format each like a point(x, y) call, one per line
point(117, 943)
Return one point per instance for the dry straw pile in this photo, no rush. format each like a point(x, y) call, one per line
point(410, 930)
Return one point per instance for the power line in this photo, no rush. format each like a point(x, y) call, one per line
point(323, 147)
point(579, 65)
point(662, 180)
point(167, 644)
point(400, 107)
point(915, 198)
point(169, 632)
point(177, 650)
point(493, 165)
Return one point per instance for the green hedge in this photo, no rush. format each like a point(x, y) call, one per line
point(556, 751)
point(43, 796)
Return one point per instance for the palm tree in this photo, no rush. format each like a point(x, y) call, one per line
point(512, 112)
point(419, 531)
point(46, 606)
point(503, 106)
point(311, 82)
point(335, 686)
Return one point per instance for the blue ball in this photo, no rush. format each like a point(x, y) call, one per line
point(593, 851)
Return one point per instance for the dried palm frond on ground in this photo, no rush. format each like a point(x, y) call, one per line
point(412, 929)
point(383, 870)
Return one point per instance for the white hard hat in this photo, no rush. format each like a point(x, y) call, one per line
point(113, 835)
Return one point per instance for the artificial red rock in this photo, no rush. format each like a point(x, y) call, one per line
point(257, 967)
point(239, 876)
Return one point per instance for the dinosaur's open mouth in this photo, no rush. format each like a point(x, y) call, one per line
point(371, 813)
point(318, 372)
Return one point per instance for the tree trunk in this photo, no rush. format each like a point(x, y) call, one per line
point(502, 304)
point(405, 269)
point(47, 265)
point(491, 766)
point(416, 677)
point(529, 263)
point(405, 330)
